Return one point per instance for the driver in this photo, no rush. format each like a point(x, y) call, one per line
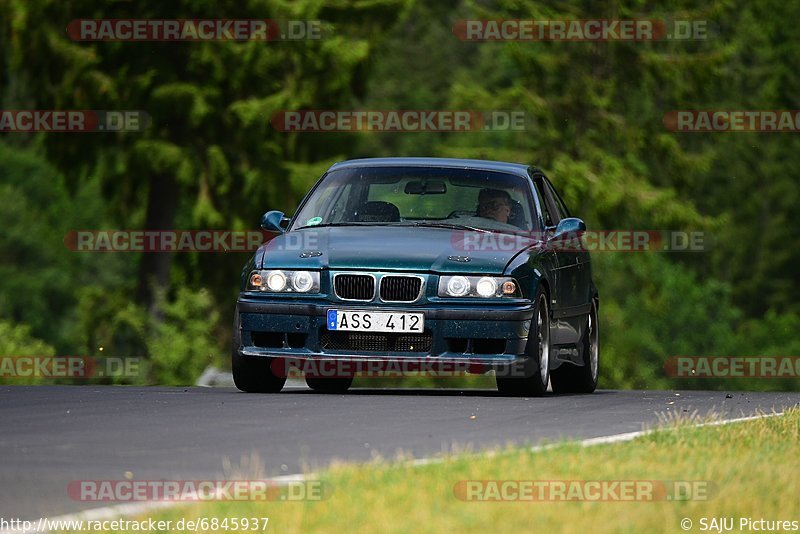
point(494, 204)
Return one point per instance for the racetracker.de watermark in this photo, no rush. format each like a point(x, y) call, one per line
point(580, 30)
point(726, 120)
point(584, 241)
point(164, 240)
point(321, 120)
point(60, 120)
point(141, 524)
point(196, 490)
point(74, 367)
point(378, 368)
point(185, 241)
point(142, 30)
point(582, 490)
point(733, 367)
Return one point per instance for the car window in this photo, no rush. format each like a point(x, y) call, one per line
point(462, 200)
point(409, 195)
point(459, 198)
point(561, 208)
point(339, 207)
point(548, 218)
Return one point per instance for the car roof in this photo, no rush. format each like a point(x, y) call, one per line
point(501, 166)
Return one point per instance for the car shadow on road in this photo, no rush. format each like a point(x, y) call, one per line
point(432, 392)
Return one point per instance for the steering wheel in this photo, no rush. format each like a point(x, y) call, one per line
point(461, 213)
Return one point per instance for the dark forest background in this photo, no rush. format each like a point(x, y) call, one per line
point(211, 159)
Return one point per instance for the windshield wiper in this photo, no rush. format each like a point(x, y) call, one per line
point(453, 226)
point(450, 226)
point(352, 223)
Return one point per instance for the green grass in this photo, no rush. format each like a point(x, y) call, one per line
point(753, 468)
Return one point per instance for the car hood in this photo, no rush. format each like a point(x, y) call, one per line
point(384, 248)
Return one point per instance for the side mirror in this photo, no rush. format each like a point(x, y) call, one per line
point(274, 221)
point(569, 226)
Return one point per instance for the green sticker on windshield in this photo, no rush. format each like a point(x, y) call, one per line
point(313, 220)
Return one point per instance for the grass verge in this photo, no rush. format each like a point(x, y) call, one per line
point(753, 471)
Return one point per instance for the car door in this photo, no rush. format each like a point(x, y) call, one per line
point(565, 294)
point(580, 292)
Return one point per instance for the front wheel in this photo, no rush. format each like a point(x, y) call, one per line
point(529, 378)
point(252, 374)
point(574, 379)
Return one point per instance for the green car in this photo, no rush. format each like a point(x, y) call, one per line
point(420, 264)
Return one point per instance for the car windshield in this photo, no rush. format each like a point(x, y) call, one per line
point(419, 196)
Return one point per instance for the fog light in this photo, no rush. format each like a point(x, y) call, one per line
point(486, 287)
point(276, 281)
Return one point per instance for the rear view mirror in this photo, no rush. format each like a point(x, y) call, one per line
point(427, 187)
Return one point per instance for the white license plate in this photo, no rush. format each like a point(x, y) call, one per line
point(370, 321)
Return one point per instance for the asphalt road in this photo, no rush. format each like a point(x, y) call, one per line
point(52, 435)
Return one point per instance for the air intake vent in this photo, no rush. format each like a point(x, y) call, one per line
point(400, 288)
point(379, 342)
point(354, 286)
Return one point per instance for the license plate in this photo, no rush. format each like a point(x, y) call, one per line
point(370, 321)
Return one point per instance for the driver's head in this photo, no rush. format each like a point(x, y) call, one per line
point(494, 204)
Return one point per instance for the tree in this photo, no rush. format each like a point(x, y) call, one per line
point(210, 157)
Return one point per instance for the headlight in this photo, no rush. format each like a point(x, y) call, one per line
point(486, 287)
point(279, 281)
point(276, 281)
point(478, 286)
point(458, 286)
point(302, 281)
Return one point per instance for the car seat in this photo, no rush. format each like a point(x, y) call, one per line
point(517, 215)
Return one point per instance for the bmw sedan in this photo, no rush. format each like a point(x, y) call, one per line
point(420, 262)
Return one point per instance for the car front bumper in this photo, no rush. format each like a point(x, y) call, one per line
point(484, 333)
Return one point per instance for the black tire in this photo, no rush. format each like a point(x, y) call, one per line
point(252, 374)
point(329, 385)
point(571, 378)
point(529, 378)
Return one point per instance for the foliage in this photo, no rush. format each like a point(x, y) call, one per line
point(182, 346)
point(211, 160)
point(16, 340)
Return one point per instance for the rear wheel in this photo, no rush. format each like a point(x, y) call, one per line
point(329, 385)
point(574, 379)
point(529, 378)
point(252, 374)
